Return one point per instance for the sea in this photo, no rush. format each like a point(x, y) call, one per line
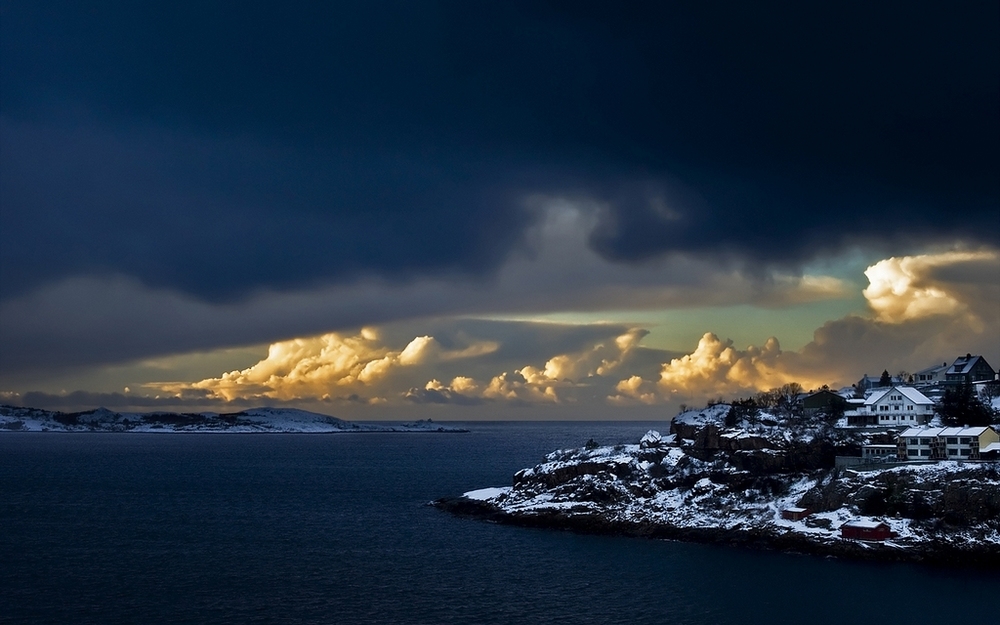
point(335, 528)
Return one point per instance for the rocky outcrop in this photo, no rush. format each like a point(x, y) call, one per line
point(963, 498)
point(568, 472)
point(658, 488)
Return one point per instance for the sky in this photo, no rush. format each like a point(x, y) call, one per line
point(491, 210)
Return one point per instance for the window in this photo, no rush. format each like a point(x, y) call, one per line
point(925, 441)
point(966, 440)
point(964, 452)
point(925, 452)
point(909, 407)
point(914, 441)
point(952, 441)
point(952, 452)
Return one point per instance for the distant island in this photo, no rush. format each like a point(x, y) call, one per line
point(277, 420)
point(723, 475)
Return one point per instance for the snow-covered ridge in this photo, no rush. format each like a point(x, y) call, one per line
point(704, 489)
point(291, 420)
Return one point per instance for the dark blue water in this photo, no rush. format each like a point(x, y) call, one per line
point(225, 528)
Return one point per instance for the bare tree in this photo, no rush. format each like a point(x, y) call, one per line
point(788, 404)
point(783, 400)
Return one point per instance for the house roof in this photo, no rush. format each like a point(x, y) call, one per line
point(963, 431)
point(964, 364)
point(907, 391)
point(914, 395)
point(868, 380)
point(973, 431)
point(861, 523)
point(921, 432)
point(931, 370)
point(821, 392)
point(877, 395)
point(990, 447)
point(796, 510)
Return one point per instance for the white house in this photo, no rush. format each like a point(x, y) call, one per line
point(930, 375)
point(899, 405)
point(946, 443)
point(918, 444)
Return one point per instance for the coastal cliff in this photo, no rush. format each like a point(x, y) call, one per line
point(706, 482)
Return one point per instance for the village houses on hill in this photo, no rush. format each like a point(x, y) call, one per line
point(912, 405)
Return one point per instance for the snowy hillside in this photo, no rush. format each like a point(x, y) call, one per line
point(14, 418)
point(670, 487)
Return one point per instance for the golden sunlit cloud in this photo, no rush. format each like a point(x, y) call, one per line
point(325, 365)
point(906, 288)
point(548, 383)
point(715, 367)
point(635, 389)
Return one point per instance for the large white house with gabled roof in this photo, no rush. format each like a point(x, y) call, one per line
point(899, 405)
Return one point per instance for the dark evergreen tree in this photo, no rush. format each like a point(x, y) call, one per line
point(961, 406)
point(885, 380)
point(836, 410)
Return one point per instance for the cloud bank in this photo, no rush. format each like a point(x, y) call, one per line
point(92, 321)
point(360, 141)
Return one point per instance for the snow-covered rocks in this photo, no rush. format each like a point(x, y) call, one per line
point(948, 513)
point(651, 440)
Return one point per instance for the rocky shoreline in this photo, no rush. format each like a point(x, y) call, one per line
point(943, 554)
point(711, 483)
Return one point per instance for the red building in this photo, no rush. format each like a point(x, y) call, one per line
point(795, 514)
point(866, 530)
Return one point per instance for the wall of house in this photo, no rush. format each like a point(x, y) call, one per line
point(894, 408)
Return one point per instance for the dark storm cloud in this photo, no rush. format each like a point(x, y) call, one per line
point(441, 396)
point(222, 148)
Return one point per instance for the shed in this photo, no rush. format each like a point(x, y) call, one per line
point(866, 530)
point(795, 514)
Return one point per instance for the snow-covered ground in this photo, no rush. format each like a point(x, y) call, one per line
point(288, 420)
point(661, 485)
